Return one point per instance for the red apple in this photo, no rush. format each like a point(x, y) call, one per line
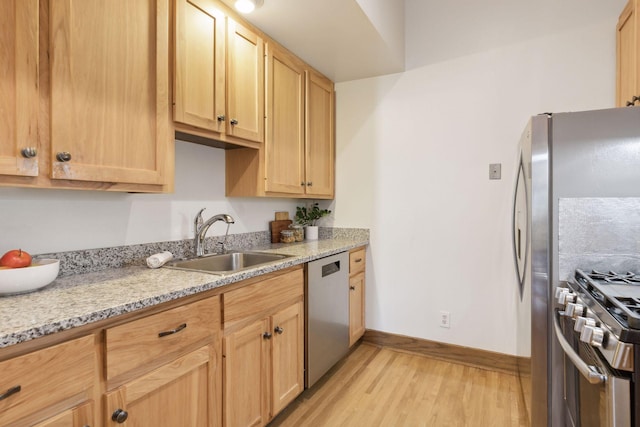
point(15, 258)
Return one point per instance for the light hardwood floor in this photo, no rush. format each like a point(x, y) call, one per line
point(377, 386)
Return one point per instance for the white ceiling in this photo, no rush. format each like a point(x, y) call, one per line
point(343, 39)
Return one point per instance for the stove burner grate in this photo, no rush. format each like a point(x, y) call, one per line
point(620, 304)
point(616, 278)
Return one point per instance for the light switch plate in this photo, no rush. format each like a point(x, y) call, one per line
point(495, 170)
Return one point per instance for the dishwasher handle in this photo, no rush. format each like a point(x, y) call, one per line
point(331, 268)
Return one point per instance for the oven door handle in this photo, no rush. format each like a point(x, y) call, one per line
point(590, 372)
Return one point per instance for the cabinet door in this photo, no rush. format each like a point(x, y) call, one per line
point(319, 136)
point(287, 356)
point(80, 416)
point(53, 378)
point(356, 307)
point(177, 394)
point(109, 90)
point(18, 86)
point(246, 367)
point(199, 77)
point(628, 58)
point(284, 145)
point(245, 96)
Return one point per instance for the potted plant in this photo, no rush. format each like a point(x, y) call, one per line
point(308, 218)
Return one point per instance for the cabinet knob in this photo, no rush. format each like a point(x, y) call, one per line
point(233, 122)
point(63, 156)
point(278, 330)
point(221, 118)
point(309, 184)
point(302, 184)
point(119, 416)
point(29, 152)
point(353, 288)
point(266, 335)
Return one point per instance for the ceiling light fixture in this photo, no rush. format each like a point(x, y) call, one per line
point(247, 6)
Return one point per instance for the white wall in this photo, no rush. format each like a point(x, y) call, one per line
point(414, 152)
point(42, 221)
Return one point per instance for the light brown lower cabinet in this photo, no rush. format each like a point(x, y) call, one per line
point(356, 308)
point(163, 370)
point(357, 260)
point(49, 385)
point(80, 416)
point(176, 394)
point(264, 350)
point(163, 367)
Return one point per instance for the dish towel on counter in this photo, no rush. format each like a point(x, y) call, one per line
point(159, 259)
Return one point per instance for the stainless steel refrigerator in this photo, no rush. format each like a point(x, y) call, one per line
point(591, 154)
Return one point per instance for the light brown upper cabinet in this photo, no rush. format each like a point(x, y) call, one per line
point(199, 74)
point(299, 148)
point(84, 95)
point(319, 136)
point(218, 90)
point(298, 156)
point(284, 147)
point(245, 83)
point(628, 55)
point(109, 91)
point(19, 88)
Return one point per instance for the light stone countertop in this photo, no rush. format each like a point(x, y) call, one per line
point(81, 299)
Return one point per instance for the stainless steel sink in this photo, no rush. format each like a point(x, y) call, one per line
point(226, 263)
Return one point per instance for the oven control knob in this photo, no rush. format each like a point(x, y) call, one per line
point(574, 310)
point(582, 321)
point(592, 335)
point(560, 291)
point(566, 297)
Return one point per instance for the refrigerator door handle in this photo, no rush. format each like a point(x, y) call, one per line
point(520, 227)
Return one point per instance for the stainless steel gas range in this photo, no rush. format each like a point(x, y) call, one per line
point(597, 323)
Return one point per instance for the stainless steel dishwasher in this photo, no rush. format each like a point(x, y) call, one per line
point(327, 337)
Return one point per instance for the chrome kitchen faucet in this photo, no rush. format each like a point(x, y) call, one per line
point(202, 228)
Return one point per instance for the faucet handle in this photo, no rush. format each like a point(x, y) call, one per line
point(197, 222)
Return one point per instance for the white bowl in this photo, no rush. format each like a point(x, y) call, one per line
point(40, 273)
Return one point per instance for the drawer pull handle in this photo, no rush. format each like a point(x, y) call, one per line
point(278, 330)
point(358, 259)
point(12, 390)
point(119, 416)
point(173, 331)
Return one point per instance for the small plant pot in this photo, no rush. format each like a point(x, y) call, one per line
point(311, 232)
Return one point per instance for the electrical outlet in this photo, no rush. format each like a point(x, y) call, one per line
point(445, 319)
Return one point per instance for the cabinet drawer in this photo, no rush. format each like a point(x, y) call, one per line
point(250, 300)
point(357, 259)
point(35, 381)
point(139, 342)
